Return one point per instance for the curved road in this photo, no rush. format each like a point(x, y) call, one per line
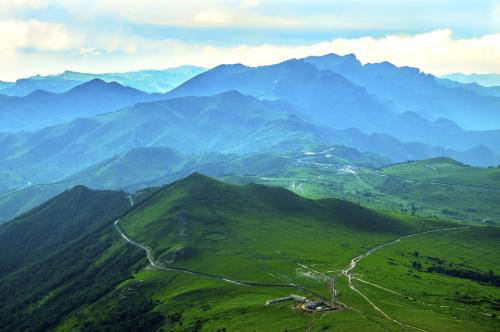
point(161, 266)
point(348, 272)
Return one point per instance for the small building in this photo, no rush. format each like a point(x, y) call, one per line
point(317, 306)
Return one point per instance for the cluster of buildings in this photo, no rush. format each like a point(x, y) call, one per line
point(305, 304)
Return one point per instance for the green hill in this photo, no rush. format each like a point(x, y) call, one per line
point(447, 171)
point(49, 258)
point(223, 250)
point(155, 166)
point(445, 186)
point(439, 187)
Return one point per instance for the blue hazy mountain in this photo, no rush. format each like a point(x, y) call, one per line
point(41, 108)
point(25, 86)
point(328, 98)
point(227, 123)
point(493, 91)
point(4, 85)
point(151, 81)
point(411, 90)
point(487, 80)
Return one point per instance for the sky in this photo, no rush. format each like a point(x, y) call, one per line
point(50, 36)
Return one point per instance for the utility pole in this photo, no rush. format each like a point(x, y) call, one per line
point(334, 291)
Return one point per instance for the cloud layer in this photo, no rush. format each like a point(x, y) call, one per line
point(48, 36)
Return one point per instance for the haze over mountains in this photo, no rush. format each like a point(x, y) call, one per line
point(396, 113)
point(41, 109)
point(487, 80)
point(150, 81)
point(110, 220)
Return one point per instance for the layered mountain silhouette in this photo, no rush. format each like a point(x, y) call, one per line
point(318, 89)
point(229, 122)
point(411, 90)
point(151, 81)
point(41, 108)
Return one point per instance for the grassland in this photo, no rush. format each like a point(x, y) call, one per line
point(265, 235)
point(272, 236)
point(438, 187)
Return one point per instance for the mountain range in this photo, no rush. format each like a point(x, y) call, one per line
point(229, 122)
point(41, 108)
point(487, 80)
point(411, 90)
point(132, 202)
point(151, 81)
point(324, 96)
point(144, 167)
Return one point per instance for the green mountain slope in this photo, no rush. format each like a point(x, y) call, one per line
point(447, 171)
point(220, 252)
point(48, 260)
point(229, 122)
point(435, 187)
point(155, 166)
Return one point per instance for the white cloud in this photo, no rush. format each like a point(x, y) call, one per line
point(34, 35)
point(12, 6)
point(250, 3)
point(215, 17)
point(436, 52)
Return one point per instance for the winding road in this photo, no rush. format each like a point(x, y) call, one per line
point(160, 266)
point(348, 272)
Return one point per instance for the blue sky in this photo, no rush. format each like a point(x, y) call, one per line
point(49, 36)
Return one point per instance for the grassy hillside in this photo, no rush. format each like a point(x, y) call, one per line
point(446, 171)
point(446, 186)
point(155, 166)
point(216, 218)
point(216, 236)
point(436, 187)
point(58, 257)
point(446, 277)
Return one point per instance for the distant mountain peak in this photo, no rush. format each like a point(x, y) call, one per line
point(197, 180)
point(40, 93)
point(96, 85)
